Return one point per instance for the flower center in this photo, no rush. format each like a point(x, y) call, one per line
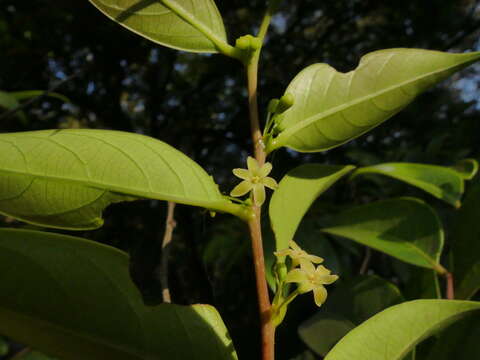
point(255, 179)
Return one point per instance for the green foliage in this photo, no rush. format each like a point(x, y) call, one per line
point(442, 182)
point(392, 333)
point(65, 178)
point(3, 346)
point(9, 102)
point(466, 246)
point(405, 228)
point(468, 168)
point(296, 193)
point(332, 108)
point(351, 303)
point(185, 25)
point(74, 299)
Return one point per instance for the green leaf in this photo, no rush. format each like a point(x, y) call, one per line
point(74, 299)
point(442, 182)
point(9, 102)
point(192, 25)
point(392, 333)
point(65, 178)
point(405, 228)
point(467, 168)
point(296, 192)
point(351, 303)
point(332, 108)
point(466, 246)
point(27, 94)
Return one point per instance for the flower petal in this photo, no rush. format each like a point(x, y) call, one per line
point(252, 165)
point(296, 276)
point(284, 252)
point(258, 194)
point(315, 259)
point(294, 245)
point(265, 169)
point(307, 266)
point(241, 189)
point(320, 295)
point(269, 182)
point(243, 174)
point(329, 279)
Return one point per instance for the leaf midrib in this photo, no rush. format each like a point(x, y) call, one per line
point(119, 189)
point(285, 135)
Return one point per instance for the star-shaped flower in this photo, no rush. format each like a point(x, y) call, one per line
point(297, 254)
point(254, 179)
point(310, 278)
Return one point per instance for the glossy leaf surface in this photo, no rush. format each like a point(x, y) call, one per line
point(65, 178)
point(405, 228)
point(296, 193)
point(442, 182)
point(392, 333)
point(466, 246)
point(332, 108)
point(169, 22)
point(74, 299)
point(351, 303)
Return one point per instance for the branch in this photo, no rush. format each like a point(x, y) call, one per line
point(170, 225)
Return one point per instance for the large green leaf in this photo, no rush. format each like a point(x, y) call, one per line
point(466, 246)
point(351, 303)
point(192, 25)
point(442, 182)
point(28, 94)
point(65, 178)
point(296, 192)
point(74, 299)
point(405, 228)
point(467, 168)
point(332, 108)
point(392, 333)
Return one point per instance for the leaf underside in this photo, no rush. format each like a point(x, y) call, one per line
point(65, 178)
point(442, 182)
point(74, 299)
point(155, 20)
point(296, 193)
point(405, 228)
point(332, 108)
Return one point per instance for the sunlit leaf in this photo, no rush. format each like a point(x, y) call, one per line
point(74, 299)
point(192, 25)
point(351, 303)
point(405, 228)
point(65, 178)
point(466, 246)
point(295, 193)
point(392, 333)
point(332, 108)
point(442, 182)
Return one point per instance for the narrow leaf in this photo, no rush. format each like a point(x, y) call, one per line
point(192, 25)
point(65, 178)
point(73, 299)
point(466, 246)
point(442, 182)
point(27, 94)
point(405, 228)
point(332, 108)
point(392, 333)
point(295, 193)
point(9, 102)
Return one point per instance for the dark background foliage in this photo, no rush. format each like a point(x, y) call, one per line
point(197, 103)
